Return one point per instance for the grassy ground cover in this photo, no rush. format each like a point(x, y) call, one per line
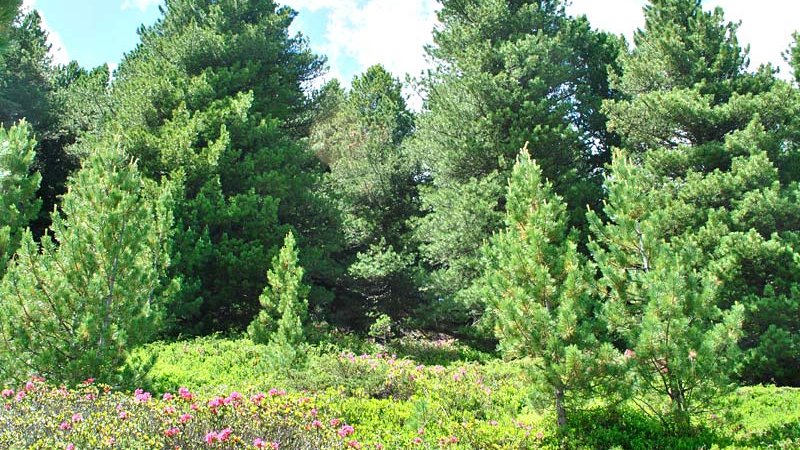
point(227, 394)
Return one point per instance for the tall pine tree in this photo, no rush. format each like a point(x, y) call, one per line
point(505, 73)
point(724, 143)
point(540, 294)
point(72, 308)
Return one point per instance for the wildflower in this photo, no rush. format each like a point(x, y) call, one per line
point(88, 381)
point(141, 396)
point(224, 434)
point(211, 437)
point(167, 397)
point(417, 440)
point(346, 430)
point(692, 355)
point(629, 354)
point(29, 386)
point(7, 392)
point(185, 394)
point(90, 396)
point(20, 396)
point(420, 431)
point(259, 443)
point(77, 417)
point(170, 432)
point(354, 444)
point(70, 446)
point(316, 424)
point(123, 415)
point(64, 426)
point(335, 422)
point(169, 410)
point(185, 418)
point(257, 398)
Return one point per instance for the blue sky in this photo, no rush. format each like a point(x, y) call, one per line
point(355, 34)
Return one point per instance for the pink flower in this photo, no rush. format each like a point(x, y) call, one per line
point(185, 418)
point(185, 394)
point(216, 402)
point(354, 444)
point(417, 440)
point(211, 437)
point(259, 443)
point(29, 386)
point(275, 446)
point(420, 431)
point(20, 396)
point(346, 430)
point(141, 396)
point(314, 412)
point(629, 354)
point(224, 434)
point(70, 446)
point(65, 426)
point(257, 398)
point(335, 422)
point(90, 396)
point(316, 424)
point(7, 392)
point(88, 381)
point(170, 432)
point(167, 397)
point(77, 417)
point(169, 410)
point(123, 415)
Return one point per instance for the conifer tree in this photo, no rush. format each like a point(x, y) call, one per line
point(682, 347)
point(372, 183)
point(18, 186)
point(284, 302)
point(213, 96)
point(505, 73)
point(539, 291)
point(72, 309)
point(726, 143)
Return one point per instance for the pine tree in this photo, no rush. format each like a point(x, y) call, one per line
point(284, 302)
point(658, 304)
point(72, 309)
point(505, 73)
point(372, 183)
point(539, 291)
point(724, 143)
point(213, 96)
point(18, 186)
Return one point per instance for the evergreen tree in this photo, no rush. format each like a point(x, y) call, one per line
point(659, 306)
point(72, 309)
point(284, 304)
point(506, 72)
point(18, 185)
point(539, 291)
point(192, 102)
point(725, 144)
point(8, 12)
point(372, 183)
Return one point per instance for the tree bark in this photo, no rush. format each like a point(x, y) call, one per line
point(561, 413)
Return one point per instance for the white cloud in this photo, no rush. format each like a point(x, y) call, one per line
point(766, 26)
point(142, 5)
point(58, 51)
point(389, 32)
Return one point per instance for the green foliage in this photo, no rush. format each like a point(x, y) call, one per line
point(505, 73)
point(371, 181)
point(72, 309)
point(723, 142)
point(284, 305)
point(192, 103)
point(659, 305)
point(9, 9)
point(18, 185)
point(539, 292)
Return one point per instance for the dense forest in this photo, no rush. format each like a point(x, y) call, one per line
point(618, 223)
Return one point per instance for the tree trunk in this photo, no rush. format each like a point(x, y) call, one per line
point(561, 413)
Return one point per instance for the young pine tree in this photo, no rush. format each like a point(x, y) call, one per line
point(71, 309)
point(284, 304)
point(681, 346)
point(539, 290)
point(18, 186)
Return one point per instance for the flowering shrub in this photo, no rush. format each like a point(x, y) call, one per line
point(40, 416)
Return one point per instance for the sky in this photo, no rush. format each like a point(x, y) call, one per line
point(355, 34)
